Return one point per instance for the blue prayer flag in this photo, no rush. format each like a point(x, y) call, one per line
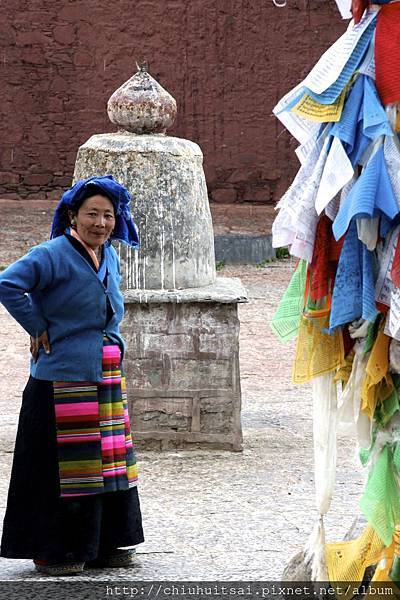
point(371, 193)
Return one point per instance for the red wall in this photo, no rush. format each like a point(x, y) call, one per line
point(226, 62)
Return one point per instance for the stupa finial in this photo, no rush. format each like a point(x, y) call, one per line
point(141, 104)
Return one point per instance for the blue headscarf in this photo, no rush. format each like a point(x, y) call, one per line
point(124, 230)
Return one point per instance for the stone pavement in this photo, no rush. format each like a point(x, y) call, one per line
point(208, 515)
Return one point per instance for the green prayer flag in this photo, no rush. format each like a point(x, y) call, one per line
point(386, 410)
point(380, 502)
point(286, 321)
point(372, 332)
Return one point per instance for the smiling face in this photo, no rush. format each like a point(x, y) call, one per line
point(95, 220)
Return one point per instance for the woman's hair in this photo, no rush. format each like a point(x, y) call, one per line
point(91, 190)
point(107, 187)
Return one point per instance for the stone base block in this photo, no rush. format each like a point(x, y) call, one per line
point(182, 367)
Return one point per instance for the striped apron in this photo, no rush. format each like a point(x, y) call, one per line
point(95, 450)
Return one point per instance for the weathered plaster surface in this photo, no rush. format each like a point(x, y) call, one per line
point(226, 63)
point(166, 179)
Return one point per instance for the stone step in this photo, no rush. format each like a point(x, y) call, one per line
point(242, 233)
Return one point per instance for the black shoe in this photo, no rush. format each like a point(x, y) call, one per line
point(58, 569)
point(119, 558)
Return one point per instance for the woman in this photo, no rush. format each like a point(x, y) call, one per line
point(73, 499)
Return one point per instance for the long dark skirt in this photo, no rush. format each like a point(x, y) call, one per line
point(38, 523)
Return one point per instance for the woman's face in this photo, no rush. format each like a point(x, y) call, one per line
point(95, 220)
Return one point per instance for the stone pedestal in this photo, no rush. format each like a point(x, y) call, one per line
point(169, 203)
point(182, 366)
point(181, 323)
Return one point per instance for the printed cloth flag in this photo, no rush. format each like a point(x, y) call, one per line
point(95, 450)
point(286, 321)
point(337, 173)
point(363, 119)
point(347, 560)
point(387, 53)
point(345, 8)
point(391, 151)
point(309, 109)
point(378, 383)
point(346, 129)
point(367, 67)
point(358, 7)
point(325, 259)
point(354, 290)
point(330, 95)
point(328, 105)
point(296, 223)
point(374, 116)
point(371, 195)
point(381, 499)
point(395, 270)
point(335, 68)
point(338, 215)
point(317, 351)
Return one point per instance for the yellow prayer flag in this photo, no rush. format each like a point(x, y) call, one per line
point(378, 383)
point(311, 110)
point(317, 352)
point(347, 561)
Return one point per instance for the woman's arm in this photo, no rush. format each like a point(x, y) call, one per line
point(32, 272)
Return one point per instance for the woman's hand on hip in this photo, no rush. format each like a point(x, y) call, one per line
point(36, 342)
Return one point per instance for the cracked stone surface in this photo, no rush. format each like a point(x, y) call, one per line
point(214, 515)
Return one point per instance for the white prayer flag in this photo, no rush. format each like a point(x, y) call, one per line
point(344, 7)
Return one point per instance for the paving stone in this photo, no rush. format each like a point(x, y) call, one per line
point(212, 514)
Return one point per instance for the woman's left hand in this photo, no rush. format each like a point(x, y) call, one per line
point(36, 342)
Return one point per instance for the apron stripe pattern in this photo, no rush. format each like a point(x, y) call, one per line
point(95, 449)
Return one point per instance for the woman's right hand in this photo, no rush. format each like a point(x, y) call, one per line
point(36, 342)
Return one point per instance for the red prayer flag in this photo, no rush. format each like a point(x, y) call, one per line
point(357, 9)
point(324, 261)
point(395, 270)
point(387, 53)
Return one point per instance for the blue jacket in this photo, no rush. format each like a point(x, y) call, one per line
point(53, 287)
